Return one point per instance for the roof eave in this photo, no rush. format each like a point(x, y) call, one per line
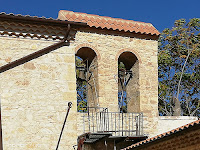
point(39, 20)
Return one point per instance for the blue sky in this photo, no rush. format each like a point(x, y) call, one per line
point(161, 14)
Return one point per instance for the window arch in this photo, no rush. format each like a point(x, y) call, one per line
point(128, 82)
point(86, 79)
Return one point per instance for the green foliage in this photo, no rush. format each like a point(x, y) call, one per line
point(121, 66)
point(122, 96)
point(179, 65)
point(80, 88)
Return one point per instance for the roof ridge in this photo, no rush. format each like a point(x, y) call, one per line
point(109, 22)
point(105, 17)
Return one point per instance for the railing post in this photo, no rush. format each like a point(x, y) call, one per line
point(136, 119)
point(96, 121)
point(122, 122)
point(141, 124)
point(115, 124)
point(129, 123)
point(1, 137)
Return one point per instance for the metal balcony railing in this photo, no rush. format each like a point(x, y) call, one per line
point(100, 120)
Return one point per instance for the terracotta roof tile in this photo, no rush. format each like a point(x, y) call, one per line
point(164, 134)
point(109, 23)
point(103, 20)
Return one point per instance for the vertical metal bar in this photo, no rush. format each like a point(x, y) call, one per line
point(102, 123)
point(115, 124)
point(99, 121)
point(101, 118)
point(108, 122)
point(119, 124)
point(104, 119)
point(139, 124)
point(96, 121)
point(1, 137)
point(126, 124)
point(142, 124)
point(111, 122)
point(93, 120)
point(129, 123)
point(122, 108)
point(136, 125)
point(122, 122)
point(69, 106)
point(89, 119)
point(132, 122)
point(87, 86)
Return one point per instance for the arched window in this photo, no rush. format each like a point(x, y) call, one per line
point(86, 79)
point(128, 82)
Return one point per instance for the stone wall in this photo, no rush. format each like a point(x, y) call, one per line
point(108, 48)
point(133, 90)
point(93, 90)
point(167, 123)
point(35, 95)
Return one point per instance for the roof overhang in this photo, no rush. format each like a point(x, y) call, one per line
point(108, 23)
point(38, 20)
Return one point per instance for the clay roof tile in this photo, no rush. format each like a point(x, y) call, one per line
point(102, 25)
point(86, 18)
point(97, 20)
point(73, 16)
point(90, 23)
point(164, 134)
point(80, 17)
point(109, 23)
point(103, 21)
point(108, 26)
point(68, 16)
point(92, 19)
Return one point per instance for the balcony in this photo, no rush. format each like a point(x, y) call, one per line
point(100, 120)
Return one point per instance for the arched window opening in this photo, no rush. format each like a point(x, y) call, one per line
point(86, 79)
point(127, 81)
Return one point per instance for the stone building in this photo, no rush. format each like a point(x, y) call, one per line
point(38, 79)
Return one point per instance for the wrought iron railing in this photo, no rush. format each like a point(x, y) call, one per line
point(119, 124)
